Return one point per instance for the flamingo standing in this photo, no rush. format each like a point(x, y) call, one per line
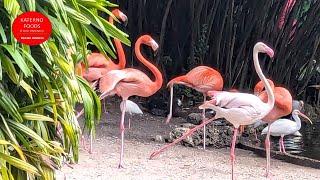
point(202, 79)
point(282, 107)
point(129, 82)
point(283, 127)
point(237, 108)
point(98, 64)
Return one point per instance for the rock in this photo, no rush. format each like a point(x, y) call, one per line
point(216, 136)
point(194, 118)
point(159, 112)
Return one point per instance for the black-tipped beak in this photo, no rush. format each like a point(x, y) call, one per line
point(125, 23)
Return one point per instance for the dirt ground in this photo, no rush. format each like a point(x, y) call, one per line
point(179, 162)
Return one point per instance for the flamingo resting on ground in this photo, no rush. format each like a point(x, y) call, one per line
point(282, 107)
point(283, 127)
point(129, 82)
point(202, 79)
point(237, 108)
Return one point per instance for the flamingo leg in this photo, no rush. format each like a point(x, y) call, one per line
point(203, 120)
point(267, 144)
point(282, 144)
point(188, 133)
point(170, 112)
point(123, 112)
point(233, 145)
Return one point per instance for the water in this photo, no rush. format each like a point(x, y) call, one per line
point(308, 145)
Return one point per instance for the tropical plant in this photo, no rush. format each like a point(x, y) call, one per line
point(39, 88)
point(222, 33)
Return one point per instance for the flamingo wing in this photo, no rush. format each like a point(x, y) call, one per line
point(204, 78)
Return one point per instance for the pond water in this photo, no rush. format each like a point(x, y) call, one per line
point(308, 145)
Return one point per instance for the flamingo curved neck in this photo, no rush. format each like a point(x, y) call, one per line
point(119, 48)
point(157, 74)
point(266, 84)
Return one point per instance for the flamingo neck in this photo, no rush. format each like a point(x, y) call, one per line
point(157, 74)
point(297, 120)
point(264, 80)
point(121, 55)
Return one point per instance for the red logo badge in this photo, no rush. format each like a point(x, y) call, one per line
point(32, 28)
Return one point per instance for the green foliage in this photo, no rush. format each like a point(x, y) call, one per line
point(39, 88)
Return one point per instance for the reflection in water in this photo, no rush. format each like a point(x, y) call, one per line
point(308, 145)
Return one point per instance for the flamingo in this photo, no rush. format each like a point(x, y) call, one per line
point(283, 127)
point(98, 64)
point(237, 108)
point(282, 107)
point(129, 82)
point(202, 79)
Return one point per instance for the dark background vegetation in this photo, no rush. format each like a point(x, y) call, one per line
point(222, 33)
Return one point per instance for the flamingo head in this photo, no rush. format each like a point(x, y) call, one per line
point(208, 104)
point(261, 47)
point(150, 42)
point(297, 112)
point(259, 87)
point(120, 15)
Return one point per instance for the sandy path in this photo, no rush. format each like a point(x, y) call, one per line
point(178, 162)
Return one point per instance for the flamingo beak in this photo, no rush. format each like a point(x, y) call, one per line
point(207, 104)
point(154, 46)
point(306, 117)
point(124, 18)
point(270, 52)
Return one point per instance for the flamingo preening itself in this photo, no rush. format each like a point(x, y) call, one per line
point(202, 79)
point(283, 127)
point(131, 82)
point(98, 64)
point(237, 108)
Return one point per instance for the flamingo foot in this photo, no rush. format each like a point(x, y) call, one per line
point(168, 118)
point(120, 166)
point(268, 175)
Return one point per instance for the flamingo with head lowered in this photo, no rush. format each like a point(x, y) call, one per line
point(131, 82)
point(237, 108)
point(202, 79)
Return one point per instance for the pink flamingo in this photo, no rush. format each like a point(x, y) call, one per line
point(237, 108)
point(129, 82)
point(98, 64)
point(202, 79)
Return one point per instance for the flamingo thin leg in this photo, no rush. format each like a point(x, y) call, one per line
point(267, 144)
point(188, 133)
point(170, 112)
point(123, 112)
point(203, 120)
point(233, 145)
point(129, 123)
point(282, 145)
